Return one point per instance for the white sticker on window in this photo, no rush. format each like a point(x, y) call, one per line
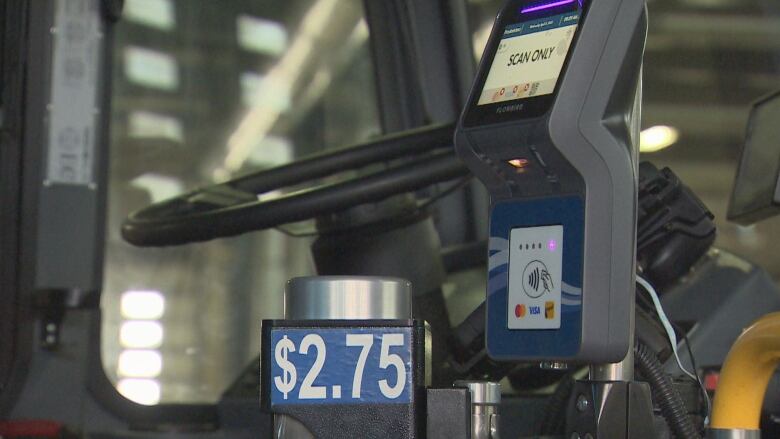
point(72, 109)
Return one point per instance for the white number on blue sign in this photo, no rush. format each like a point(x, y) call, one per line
point(332, 359)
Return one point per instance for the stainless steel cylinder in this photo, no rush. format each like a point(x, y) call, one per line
point(347, 298)
point(716, 433)
point(485, 399)
point(341, 298)
point(624, 370)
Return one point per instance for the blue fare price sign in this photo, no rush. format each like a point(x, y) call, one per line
point(340, 365)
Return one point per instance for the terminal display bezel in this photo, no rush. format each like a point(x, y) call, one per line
point(531, 107)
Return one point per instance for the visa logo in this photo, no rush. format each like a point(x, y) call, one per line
point(534, 310)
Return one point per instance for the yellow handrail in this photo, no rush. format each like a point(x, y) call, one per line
point(745, 375)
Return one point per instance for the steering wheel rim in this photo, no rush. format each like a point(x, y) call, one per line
point(234, 207)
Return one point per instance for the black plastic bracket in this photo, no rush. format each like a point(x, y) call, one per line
point(610, 409)
point(449, 414)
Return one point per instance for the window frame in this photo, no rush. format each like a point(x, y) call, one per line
point(429, 87)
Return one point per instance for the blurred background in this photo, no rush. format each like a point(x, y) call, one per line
point(204, 91)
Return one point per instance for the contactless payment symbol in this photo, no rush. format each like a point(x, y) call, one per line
point(536, 279)
point(533, 291)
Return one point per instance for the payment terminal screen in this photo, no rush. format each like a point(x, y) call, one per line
point(529, 58)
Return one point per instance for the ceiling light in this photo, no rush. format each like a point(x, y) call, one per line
point(151, 68)
point(261, 35)
point(141, 334)
point(145, 124)
point(139, 364)
point(145, 392)
point(142, 305)
point(657, 138)
point(153, 13)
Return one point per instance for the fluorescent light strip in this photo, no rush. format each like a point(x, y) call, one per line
point(153, 13)
point(140, 364)
point(141, 334)
point(145, 124)
point(657, 138)
point(261, 35)
point(151, 68)
point(142, 305)
point(260, 119)
point(141, 391)
point(546, 6)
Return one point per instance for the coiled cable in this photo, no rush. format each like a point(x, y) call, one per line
point(666, 396)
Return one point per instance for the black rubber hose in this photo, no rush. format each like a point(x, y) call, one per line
point(666, 396)
point(553, 421)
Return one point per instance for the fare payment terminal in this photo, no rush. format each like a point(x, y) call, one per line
point(551, 128)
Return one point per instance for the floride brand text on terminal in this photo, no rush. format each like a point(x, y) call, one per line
point(509, 108)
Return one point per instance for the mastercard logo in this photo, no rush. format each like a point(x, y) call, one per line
point(520, 311)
